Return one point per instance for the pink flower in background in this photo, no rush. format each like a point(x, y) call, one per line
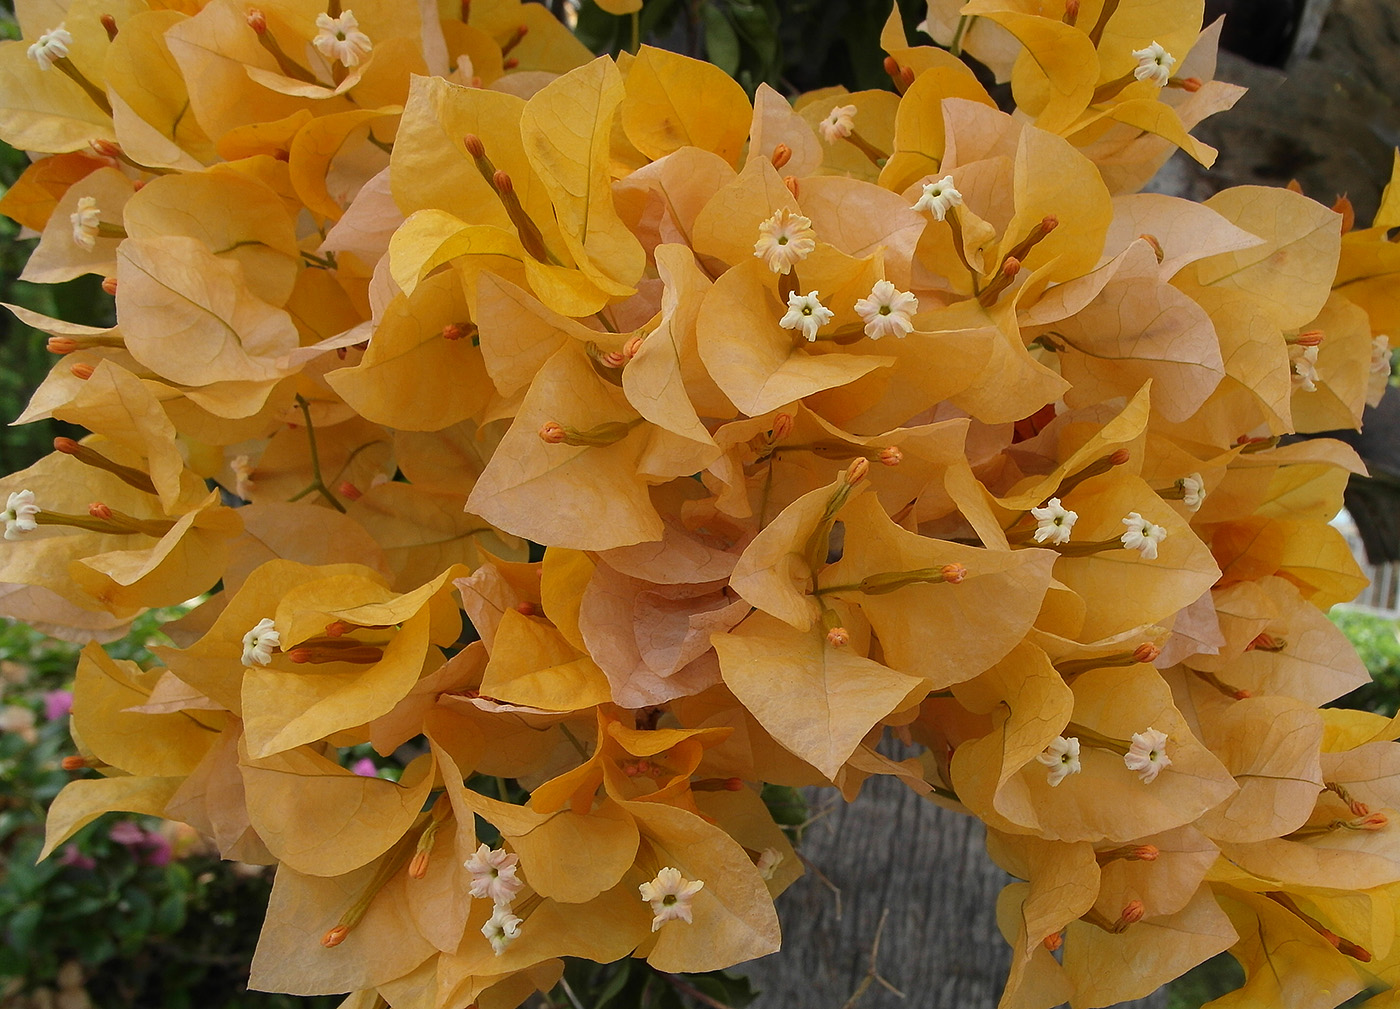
point(158, 850)
point(127, 833)
point(76, 859)
point(365, 768)
point(57, 704)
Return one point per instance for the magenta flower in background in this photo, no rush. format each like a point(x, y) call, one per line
point(365, 768)
point(57, 704)
point(71, 856)
point(127, 833)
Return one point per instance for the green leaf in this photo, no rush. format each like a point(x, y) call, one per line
point(721, 41)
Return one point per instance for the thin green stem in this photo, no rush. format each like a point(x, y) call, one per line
point(318, 484)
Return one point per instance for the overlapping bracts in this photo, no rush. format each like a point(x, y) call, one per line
point(867, 415)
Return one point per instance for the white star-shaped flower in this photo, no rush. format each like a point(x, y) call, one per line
point(86, 220)
point(501, 929)
point(939, 197)
point(768, 861)
point(1148, 754)
point(341, 39)
point(1062, 757)
point(1304, 360)
point(52, 45)
point(807, 313)
point(838, 124)
point(1193, 491)
point(260, 642)
point(1380, 355)
point(670, 894)
point(784, 240)
point(1053, 522)
point(19, 514)
point(1154, 64)
point(493, 875)
point(1143, 535)
point(888, 311)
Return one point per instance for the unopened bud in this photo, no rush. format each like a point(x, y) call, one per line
point(838, 637)
point(474, 145)
point(1312, 338)
point(109, 286)
point(1119, 457)
point(61, 345)
point(857, 470)
point(1071, 12)
point(65, 445)
point(1132, 913)
point(520, 32)
point(1011, 267)
point(501, 180)
point(1053, 941)
point(98, 510)
point(338, 629)
point(525, 609)
point(257, 20)
point(1266, 642)
point(1371, 821)
point(77, 762)
point(552, 433)
point(456, 330)
point(782, 154)
point(790, 181)
point(891, 455)
point(1146, 652)
point(1146, 853)
point(106, 148)
point(613, 359)
point(1188, 84)
point(1241, 695)
point(418, 866)
point(782, 426)
point(1049, 223)
point(953, 574)
point(82, 370)
point(1157, 249)
point(510, 64)
point(1294, 186)
point(633, 346)
point(334, 937)
point(349, 490)
point(109, 25)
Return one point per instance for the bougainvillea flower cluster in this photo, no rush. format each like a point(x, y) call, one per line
point(585, 423)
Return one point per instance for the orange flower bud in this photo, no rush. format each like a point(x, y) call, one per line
point(1156, 246)
point(891, 455)
point(98, 510)
point(1071, 12)
point(782, 426)
point(257, 20)
point(510, 64)
point(1146, 853)
point(1132, 913)
point(1146, 652)
point(418, 866)
point(61, 345)
point(953, 574)
point(1188, 84)
point(838, 637)
point(857, 470)
point(349, 490)
point(552, 433)
point(613, 359)
point(791, 182)
point(456, 330)
point(1312, 338)
point(65, 445)
point(338, 629)
point(782, 154)
point(525, 609)
point(82, 370)
point(334, 937)
point(106, 148)
point(1119, 457)
point(501, 181)
point(474, 145)
point(109, 25)
point(1053, 941)
point(109, 286)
